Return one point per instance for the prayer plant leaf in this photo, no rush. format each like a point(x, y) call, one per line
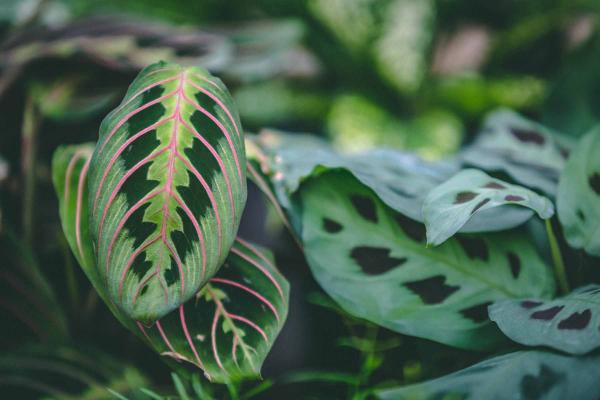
point(452, 204)
point(230, 324)
point(401, 180)
point(570, 323)
point(528, 152)
point(578, 200)
point(167, 189)
point(519, 375)
point(374, 263)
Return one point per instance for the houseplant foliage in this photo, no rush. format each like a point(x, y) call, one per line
point(184, 235)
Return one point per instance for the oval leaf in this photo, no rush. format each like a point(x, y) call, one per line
point(528, 152)
point(451, 205)
point(570, 323)
point(520, 375)
point(374, 263)
point(578, 200)
point(167, 189)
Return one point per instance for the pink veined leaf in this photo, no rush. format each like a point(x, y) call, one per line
point(167, 189)
point(226, 329)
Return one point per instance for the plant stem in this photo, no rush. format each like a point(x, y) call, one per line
point(232, 387)
point(559, 266)
point(31, 124)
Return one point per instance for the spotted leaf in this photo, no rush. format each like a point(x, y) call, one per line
point(570, 323)
point(167, 189)
point(452, 204)
point(401, 180)
point(373, 261)
point(528, 152)
point(578, 201)
point(226, 328)
point(519, 375)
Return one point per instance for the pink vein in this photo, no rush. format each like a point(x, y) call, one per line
point(221, 127)
point(213, 332)
point(187, 336)
point(219, 161)
point(135, 254)
point(261, 268)
point(249, 323)
point(252, 292)
point(164, 337)
point(78, 208)
point(219, 102)
point(68, 173)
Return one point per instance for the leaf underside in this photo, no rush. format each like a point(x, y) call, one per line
point(570, 323)
point(374, 263)
point(167, 189)
point(452, 204)
point(226, 328)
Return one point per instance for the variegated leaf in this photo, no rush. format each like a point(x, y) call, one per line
point(451, 205)
point(226, 329)
point(167, 189)
point(374, 263)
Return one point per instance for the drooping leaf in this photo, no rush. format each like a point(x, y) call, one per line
point(570, 323)
point(578, 200)
point(519, 375)
point(238, 314)
point(374, 263)
point(401, 180)
point(452, 204)
point(229, 326)
point(528, 152)
point(167, 189)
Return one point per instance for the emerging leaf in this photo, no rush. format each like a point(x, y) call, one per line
point(167, 189)
point(570, 323)
point(451, 205)
point(374, 263)
point(528, 152)
point(578, 200)
point(520, 375)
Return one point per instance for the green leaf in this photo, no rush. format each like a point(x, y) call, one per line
point(519, 375)
point(569, 323)
point(528, 152)
point(374, 263)
point(167, 189)
point(451, 205)
point(578, 200)
point(226, 328)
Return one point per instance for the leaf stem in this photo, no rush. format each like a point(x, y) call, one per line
point(559, 266)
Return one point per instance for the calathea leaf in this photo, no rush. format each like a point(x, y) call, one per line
point(452, 204)
point(226, 329)
point(528, 152)
point(519, 375)
point(400, 179)
point(374, 263)
point(167, 189)
point(570, 323)
point(578, 200)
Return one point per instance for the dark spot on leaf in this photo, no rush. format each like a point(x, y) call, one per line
point(365, 207)
point(140, 266)
point(594, 183)
point(463, 197)
point(413, 229)
point(512, 197)
point(530, 304)
point(515, 264)
point(479, 205)
point(171, 274)
point(563, 151)
point(432, 290)
point(375, 260)
point(474, 247)
point(494, 185)
point(528, 136)
point(144, 290)
point(331, 226)
point(478, 313)
point(536, 387)
point(577, 320)
point(547, 314)
point(580, 215)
